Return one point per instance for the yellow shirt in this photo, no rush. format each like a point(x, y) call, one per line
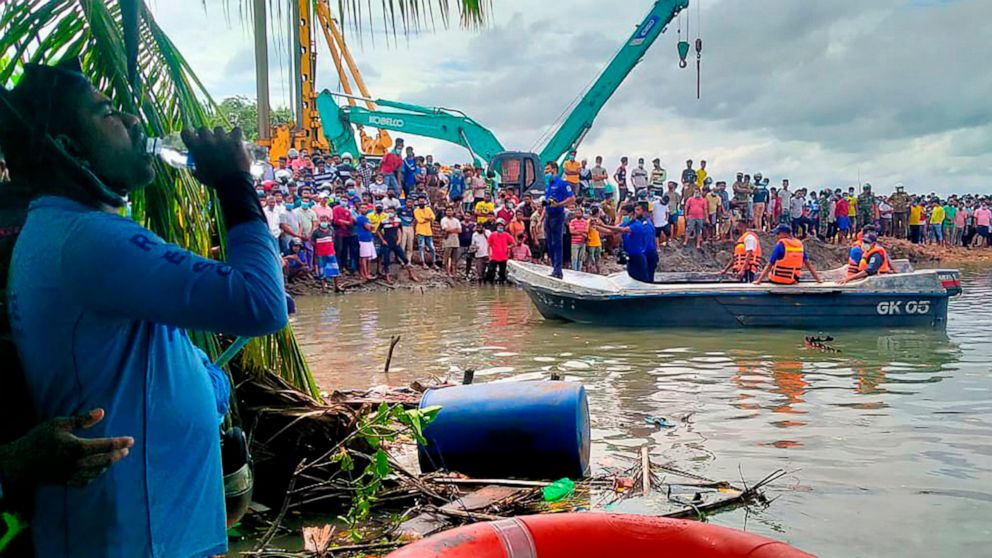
point(375, 219)
point(937, 216)
point(852, 206)
point(484, 209)
point(571, 166)
point(426, 215)
point(593, 240)
point(915, 215)
point(701, 175)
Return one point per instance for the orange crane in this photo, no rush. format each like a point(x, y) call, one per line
point(378, 145)
point(306, 132)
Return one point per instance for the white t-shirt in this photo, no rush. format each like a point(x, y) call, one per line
point(450, 239)
point(750, 243)
point(885, 210)
point(378, 188)
point(393, 202)
point(639, 178)
point(290, 219)
point(659, 212)
point(272, 219)
point(480, 244)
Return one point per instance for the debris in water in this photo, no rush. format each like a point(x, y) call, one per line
point(820, 343)
point(660, 422)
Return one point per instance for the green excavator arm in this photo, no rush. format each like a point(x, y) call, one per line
point(433, 122)
point(579, 121)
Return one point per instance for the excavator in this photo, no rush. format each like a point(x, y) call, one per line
point(448, 125)
point(306, 133)
point(520, 170)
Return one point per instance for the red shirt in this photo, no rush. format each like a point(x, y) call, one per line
point(842, 208)
point(579, 229)
point(505, 214)
point(695, 208)
point(499, 246)
point(323, 243)
point(342, 221)
point(390, 162)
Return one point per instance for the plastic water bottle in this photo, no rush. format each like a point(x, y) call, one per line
point(176, 157)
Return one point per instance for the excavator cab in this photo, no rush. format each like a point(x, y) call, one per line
point(520, 171)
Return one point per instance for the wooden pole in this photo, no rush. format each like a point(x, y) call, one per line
point(645, 470)
point(262, 71)
point(389, 356)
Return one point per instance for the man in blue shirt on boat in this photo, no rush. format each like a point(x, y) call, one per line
point(638, 240)
point(787, 260)
point(872, 261)
point(557, 195)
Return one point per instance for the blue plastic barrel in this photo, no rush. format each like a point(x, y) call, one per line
point(528, 430)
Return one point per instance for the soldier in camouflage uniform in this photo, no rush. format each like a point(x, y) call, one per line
point(866, 207)
point(900, 212)
point(824, 214)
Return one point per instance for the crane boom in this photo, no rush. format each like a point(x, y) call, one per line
point(433, 122)
point(580, 120)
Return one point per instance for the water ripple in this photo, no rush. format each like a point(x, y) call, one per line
point(897, 426)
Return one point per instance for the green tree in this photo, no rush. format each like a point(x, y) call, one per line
point(243, 111)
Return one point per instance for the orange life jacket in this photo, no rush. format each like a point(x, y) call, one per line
point(852, 264)
point(785, 271)
point(740, 253)
point(885, 268)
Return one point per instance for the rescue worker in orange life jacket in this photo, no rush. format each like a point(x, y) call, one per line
point(874, 260)
point(787, 260)
point(745, 261)
point(854, 255)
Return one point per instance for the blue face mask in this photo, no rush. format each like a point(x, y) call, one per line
point(626, 219)
point(548, 176)
point(324, 224)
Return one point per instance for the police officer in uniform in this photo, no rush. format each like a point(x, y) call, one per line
point(557, 195)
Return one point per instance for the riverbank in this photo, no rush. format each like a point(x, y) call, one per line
point(713, 256)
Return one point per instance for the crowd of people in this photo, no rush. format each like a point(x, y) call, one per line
point(336, 216)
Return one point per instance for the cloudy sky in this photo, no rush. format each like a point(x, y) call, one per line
point(820, 92)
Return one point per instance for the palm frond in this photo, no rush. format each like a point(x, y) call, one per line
point(169, 97)
point(398, 16)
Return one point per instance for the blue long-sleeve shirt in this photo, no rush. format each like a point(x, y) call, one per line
point(456, 186)
point(98, 308)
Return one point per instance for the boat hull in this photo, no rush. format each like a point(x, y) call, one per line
point(742, 311)
point(917, 301)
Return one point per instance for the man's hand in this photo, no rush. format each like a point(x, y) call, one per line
point(217, 154)
point(51, 454)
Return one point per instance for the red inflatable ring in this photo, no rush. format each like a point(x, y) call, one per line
point(595, 535)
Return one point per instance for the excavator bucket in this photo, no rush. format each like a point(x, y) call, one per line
point(338, 131)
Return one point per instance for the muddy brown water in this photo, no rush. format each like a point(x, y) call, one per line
point(889, 440)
